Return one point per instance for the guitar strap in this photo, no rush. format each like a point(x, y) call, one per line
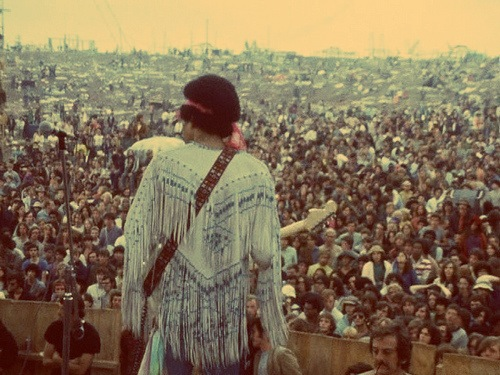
point(212, 178)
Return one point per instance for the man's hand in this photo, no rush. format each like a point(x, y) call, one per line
point(56, 358)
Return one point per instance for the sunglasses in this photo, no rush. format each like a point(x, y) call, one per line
point(360, 316)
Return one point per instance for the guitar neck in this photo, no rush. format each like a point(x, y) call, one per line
point(292, 229)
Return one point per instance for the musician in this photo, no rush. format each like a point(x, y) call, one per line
point(200, 299)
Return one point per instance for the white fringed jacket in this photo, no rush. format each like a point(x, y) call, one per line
point(202, 294)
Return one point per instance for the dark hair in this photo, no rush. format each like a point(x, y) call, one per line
point(109, 215)
point(29, 245)
point(331, 319)
point(434, 332)
point(482, 266)
point(441, 300)
point(219, 97)
point(348, 239)
point(337, 285)
point(383, 304)
point(426, 248)
point(33, 267)
point(403, 341)
point(87, 297)
point(363, 310)
point(323, 279)
point(419, 305)
point(257, 323)
point(487, 342)
point(314, 299)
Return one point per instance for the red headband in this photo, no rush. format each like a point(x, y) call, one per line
point(199, 107)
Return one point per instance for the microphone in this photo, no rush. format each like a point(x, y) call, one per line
point(78, 330)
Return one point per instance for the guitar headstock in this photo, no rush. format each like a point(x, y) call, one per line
point(317, 216)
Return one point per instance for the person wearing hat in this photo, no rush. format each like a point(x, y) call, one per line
point(348, 305)
point(406, 193)
point(199, 302)
point(377, 268)
point(485, 286)
point(346, 262)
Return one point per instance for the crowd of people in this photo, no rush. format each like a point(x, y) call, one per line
point(415, 238)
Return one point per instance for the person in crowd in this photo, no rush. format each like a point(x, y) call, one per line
point(346, 261)
point(425, 267)
point(329, 300)
point(377, 268)
point(110, 232)
point(330, 235)
point(9, 350)
point(474, 341)
point(348, 305)
point(459, 337)
point(97, 290)
point(360, 321)
point(16, 289)
point(288, 253)
point(429, 334)
point(84, 342)
point(327, 325)
point(32, 285)
point(312, 306)
point(115, 299)
point(391, 350)
point(489, 348)
point(34, 257)
point(271, 359)
point(252, 307)
point(323, 264)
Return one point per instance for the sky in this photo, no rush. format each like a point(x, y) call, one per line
point(303, 26)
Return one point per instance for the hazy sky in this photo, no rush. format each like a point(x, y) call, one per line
point(305, 26)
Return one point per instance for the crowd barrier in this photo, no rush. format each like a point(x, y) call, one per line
point(455, 364)
point(316, 354)
point(327, 355)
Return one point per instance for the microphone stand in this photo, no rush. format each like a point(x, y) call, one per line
point(70, 303)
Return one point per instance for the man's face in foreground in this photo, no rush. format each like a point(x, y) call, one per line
point(385, 355)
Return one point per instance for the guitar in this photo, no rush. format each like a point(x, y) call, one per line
point(316, 217)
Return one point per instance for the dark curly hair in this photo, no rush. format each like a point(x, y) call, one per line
point(218, 96)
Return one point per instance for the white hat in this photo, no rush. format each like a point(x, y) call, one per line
point(288, 291)
point(483, 285)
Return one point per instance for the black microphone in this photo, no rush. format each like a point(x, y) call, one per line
point(78, 330)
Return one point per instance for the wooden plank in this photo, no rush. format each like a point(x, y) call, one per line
point(423, 359)
point(454, 364)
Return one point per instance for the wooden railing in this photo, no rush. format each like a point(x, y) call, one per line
point(316, 354)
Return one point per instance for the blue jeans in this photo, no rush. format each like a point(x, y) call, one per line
point(180, 367)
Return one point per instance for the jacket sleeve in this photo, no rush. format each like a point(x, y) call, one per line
point(288, 364)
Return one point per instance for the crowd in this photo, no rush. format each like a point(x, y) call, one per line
point(415, 238)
